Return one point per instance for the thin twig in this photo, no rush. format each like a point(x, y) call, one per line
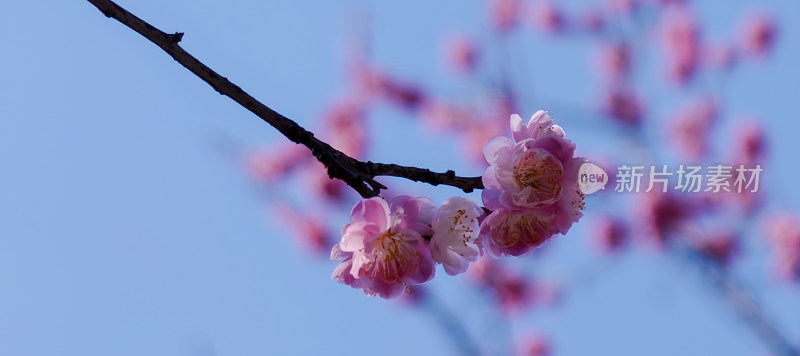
point(357, 174)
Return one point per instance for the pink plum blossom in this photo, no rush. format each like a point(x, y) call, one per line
point(534, 171)
point(530, 186)
point(515, 232)
point(384, 248)
point(455, 234)
point(540, 125)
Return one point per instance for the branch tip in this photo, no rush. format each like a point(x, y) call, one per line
point(176, 37)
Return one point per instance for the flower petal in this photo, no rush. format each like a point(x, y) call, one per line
point(374, 210)
point(539, 123)
point(491, 148)
point(518, 129)
point(342, 272)
point(337, 253)
point(357, 234)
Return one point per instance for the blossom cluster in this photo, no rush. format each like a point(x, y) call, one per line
point(530, 195)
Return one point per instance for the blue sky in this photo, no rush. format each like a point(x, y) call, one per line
point(125, 229)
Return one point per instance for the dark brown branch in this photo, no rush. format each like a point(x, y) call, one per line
point(426, 176)
point(358, 175)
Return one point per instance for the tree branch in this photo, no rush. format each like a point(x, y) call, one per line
point(357, 174)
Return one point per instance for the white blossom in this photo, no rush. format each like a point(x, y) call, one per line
point(455, 233)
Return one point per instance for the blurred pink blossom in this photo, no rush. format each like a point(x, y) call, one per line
point(447, 117)
point(461, 54)
point(511, 291)
point(680, 43)
point(591, 21)
point(691, 128)
point(747, 151)
point(534, 344)
point(661, 214)
point(783, 234)
point(503, 14)
point(750, 143)
point(614, 60)
point(609, 234)
point(486, 125)
point(623, 105)
point(501, 107)
point(622, 6)
point(383, 246)
point(275, 163)
point(397, 92)
point(545, 15)
point(758, 34)
point(344, 128)
point(308, 230)
point(668, 2)
point(720, 246)
point(316, 177)
point(476, 135)
point(720, 56)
